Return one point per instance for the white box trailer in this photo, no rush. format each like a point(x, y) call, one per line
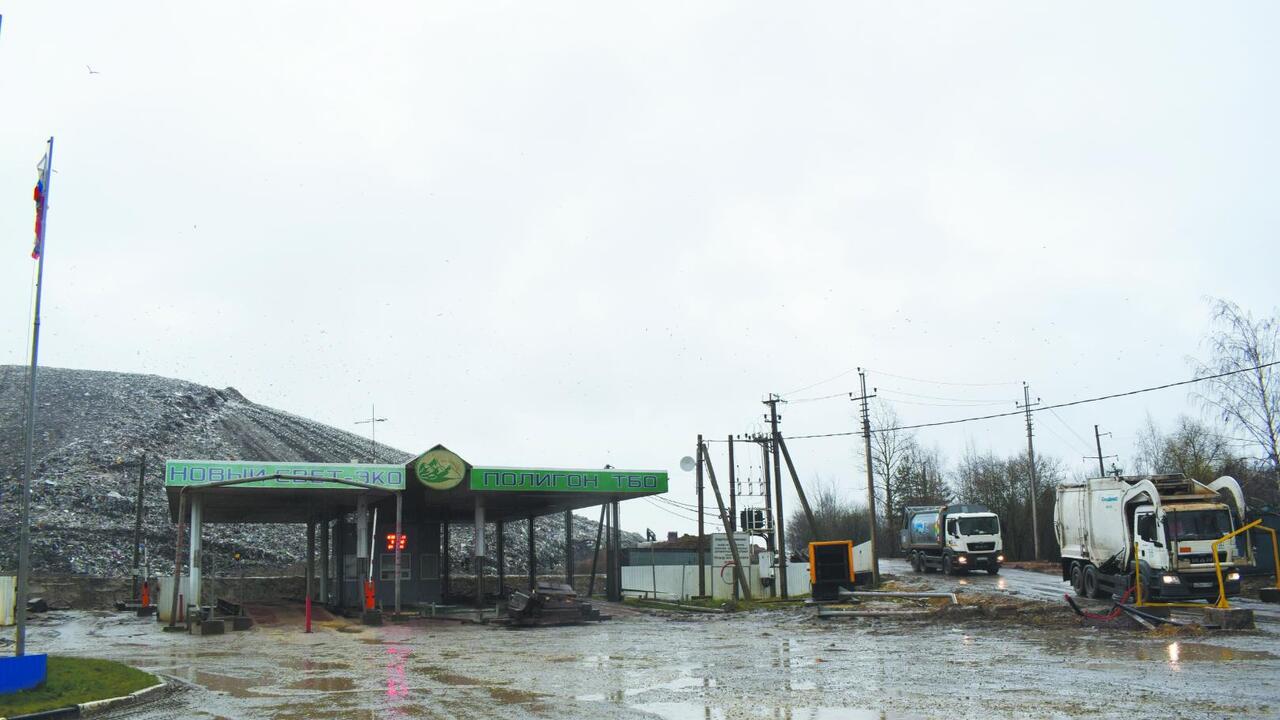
point(1170, 521)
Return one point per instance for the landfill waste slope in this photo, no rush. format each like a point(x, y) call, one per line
point(93, 426)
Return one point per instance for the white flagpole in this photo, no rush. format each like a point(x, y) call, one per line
point(24, 537)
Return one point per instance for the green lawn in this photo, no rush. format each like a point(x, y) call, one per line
point(75, 680)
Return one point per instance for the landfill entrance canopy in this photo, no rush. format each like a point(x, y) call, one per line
point(438, 480)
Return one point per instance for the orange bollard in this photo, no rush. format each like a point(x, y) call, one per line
point(146, 594)
point(368, 595)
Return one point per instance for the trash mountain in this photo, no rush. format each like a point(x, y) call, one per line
point(92, 428)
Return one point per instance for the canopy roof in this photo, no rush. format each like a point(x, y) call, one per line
point(437, 486)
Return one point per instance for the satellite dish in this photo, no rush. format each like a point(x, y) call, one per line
point(686, 463)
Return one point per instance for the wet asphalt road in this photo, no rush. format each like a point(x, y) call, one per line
point(769, 664)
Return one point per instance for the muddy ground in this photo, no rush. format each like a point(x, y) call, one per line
point(1035, 662)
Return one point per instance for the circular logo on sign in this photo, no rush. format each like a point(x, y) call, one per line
point(439, 469)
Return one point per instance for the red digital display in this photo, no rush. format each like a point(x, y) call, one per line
point(392, 541)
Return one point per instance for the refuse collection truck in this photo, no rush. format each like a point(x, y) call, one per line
point(1169, 521)
point(952, 538)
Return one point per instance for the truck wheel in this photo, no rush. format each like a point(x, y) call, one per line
point(1091, 589)
point(946, 566)
point(1077, 579)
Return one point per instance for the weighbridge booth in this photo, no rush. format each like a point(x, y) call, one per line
point(388, 523)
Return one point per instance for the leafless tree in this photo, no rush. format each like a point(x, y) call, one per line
point(891, 452)
point(1003, 485)
point(837, 518)
point(1193, 448)
point(1248, 400)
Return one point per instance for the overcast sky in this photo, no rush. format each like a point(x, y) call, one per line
point(578, 234)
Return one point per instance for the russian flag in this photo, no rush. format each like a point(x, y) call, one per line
point(42, 202)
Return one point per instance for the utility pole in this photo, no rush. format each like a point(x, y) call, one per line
point(773, 419)
point(1026, 405)
point(733, 509)
point(871, 486)
point(702, 560)
point(1097, 438)
point(137, 528)
point(372, 422)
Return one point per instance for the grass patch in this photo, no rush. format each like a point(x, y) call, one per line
point(75, 680)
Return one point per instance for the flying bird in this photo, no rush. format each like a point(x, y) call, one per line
point(91, 70)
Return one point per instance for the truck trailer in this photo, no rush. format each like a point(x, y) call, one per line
point(1170, 521)
point(952, 538)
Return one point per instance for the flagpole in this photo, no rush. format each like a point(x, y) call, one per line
point(24, 537)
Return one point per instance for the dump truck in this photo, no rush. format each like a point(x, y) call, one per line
point(1168, 523)
point(952, 538)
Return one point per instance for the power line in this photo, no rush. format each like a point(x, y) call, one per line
point(952, 402)
point(824, 397)
point(821, 382)
point(682, 516)
point(937, 397)
point(939, 382)
point(945, 405)
point(1112, 396)
point(1064, 424)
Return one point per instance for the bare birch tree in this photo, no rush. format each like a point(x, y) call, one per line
point(1250, 400)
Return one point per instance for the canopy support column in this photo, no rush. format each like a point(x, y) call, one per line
point(500, 530)
point(324, 562)
point(362, 546)
point(399, 542)
point(479, 550)
point(197, 522)
point(533, 557)
point(568, 547)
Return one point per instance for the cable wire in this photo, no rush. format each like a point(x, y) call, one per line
point(821, 382)
point(940, 382)
point(1041, 408)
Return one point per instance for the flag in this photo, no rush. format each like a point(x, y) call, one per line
point(42, 201)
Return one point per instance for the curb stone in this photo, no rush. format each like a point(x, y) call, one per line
point(97, 706)
point(92, 707)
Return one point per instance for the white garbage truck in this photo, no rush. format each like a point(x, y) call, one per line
point(1169, 521)
point(952, 538)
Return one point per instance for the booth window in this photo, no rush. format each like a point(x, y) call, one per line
point(387, 567)
point(430, 566)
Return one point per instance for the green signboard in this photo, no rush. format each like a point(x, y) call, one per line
point(585, 481)
point(178, 473)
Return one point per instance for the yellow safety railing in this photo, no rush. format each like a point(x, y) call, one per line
point(1217, 566)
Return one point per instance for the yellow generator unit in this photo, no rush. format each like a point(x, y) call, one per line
point(830, 568)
